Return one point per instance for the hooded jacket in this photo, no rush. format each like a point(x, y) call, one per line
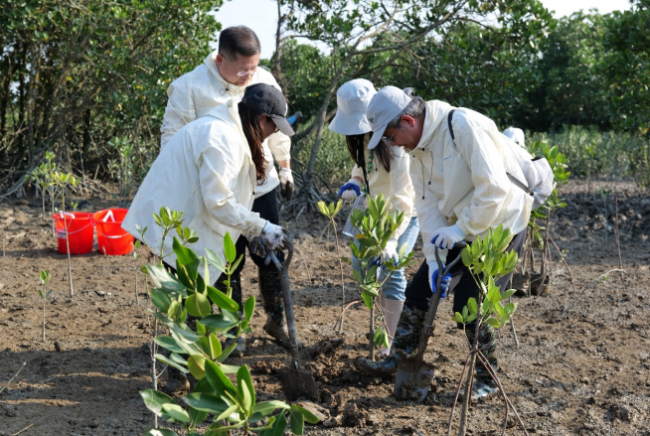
point(464, 181)
point(206, 170)
point(395, 184)
point(194, 94)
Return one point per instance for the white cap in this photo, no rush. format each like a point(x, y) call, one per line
point(352, 99)
point(383, 108)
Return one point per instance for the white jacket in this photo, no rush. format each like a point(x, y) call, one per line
point(194, 94)
point(395, 184)
point(466, 183)
point(206, 170)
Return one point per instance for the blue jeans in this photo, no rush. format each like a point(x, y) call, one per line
point(395, 287)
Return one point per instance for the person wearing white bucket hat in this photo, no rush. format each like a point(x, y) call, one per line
point(382, 170)
point(461, 175)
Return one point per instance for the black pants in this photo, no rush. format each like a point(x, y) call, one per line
point(418, 292)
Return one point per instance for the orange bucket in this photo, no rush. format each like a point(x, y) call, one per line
point(111, 237)
point(80, 232)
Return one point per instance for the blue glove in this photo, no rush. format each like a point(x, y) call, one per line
point(444, 284)
point(352, 185)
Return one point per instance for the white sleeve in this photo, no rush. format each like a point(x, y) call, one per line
point(216, 170)
point(491, 183)
point(401, 194)
point(180, 109)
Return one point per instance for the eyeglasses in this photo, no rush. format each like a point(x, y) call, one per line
point(246, 72)
point(389, 139)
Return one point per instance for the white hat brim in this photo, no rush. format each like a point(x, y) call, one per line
point(356, 124)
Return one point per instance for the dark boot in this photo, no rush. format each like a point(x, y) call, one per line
point(273, 301)
point(484, 385)
point(235, 284)
point(405, 344)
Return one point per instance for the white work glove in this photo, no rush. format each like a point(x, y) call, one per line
point(350, 191)
point(389, 254)
point(274, 236)
point(286, 183)
point(446, 237)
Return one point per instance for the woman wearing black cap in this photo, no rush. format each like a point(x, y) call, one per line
point(209, 170)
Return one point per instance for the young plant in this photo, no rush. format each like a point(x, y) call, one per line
point(124, 168)
point(540, 221)
point(45, 279)
point(62, 181)
point(376, 226)
point(330, 211)
point(44, 176)
point(487, 261)
point(229, 404)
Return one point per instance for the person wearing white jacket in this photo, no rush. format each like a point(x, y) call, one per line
point(384, 170)
point(462, 189)
point(224, 75)
point(211, 170)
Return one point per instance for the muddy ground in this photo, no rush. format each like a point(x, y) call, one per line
point(581, 368)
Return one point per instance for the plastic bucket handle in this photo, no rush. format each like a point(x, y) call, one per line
point(109, 214)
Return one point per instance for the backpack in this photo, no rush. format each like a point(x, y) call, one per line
point(537, 171)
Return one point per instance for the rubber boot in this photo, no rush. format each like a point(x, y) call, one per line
point(405, 343)
point(392, 309)
point(273, 302)
point(484, 385)
point(235, 284)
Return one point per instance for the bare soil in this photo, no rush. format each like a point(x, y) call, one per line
point(581, 368)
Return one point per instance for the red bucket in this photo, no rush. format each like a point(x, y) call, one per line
point(80, 232)
point(111, 237)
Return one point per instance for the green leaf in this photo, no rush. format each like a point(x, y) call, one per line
point(249, 308)
point(220, 322)
point(198, 305)
point(176, 412)
point(245, 389)
point(367, 299)
point(159, 432)
point(218, 379)
point(165, 281)
point(297, 422)
point(458, 318)
point(229, 248)
point(309, 417)
point(206, 402)
point(279, 425)
point(265, 408)
point(166, 361)
point(222, 300)
point(494, 323)
point(168, 343)
point(213, 259)
point(196, 365)
point(507, 294)
point(323, 208)
point(154, 400)
point(226, 413)
point(472, 306)
point(186, 257)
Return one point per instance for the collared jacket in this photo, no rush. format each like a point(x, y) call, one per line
point(465, 181)
point(194, 94)
point(207, 172)
point(395, 184)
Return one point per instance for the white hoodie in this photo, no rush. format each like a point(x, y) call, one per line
point(194, 94)
point(206, 170)
point(464, 182)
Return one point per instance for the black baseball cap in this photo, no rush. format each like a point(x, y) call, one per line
point(268, 100)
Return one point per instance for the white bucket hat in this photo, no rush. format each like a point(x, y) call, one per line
point(352, 99)
point(387, 104)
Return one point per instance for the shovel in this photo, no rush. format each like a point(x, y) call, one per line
point(414, 376)
point(297, 382)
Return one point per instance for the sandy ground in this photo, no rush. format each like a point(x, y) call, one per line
point(581, 367)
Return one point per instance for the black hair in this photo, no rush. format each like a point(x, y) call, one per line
point(238, 40)
point(356, 148)
point(251, 122)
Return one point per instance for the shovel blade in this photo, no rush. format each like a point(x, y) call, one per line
point(413, 382)
point(298, 383)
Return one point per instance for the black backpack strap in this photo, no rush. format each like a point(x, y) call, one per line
point(451, 129)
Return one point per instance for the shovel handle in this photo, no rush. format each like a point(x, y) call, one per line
point(435, 300)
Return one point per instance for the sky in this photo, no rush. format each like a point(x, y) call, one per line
point(261, 15)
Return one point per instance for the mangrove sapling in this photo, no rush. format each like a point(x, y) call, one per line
point(229, 404)
point(330, 211)
point(45, 177)
point(45, 279)
point(487, 261)
point(376, 225)
point(539, 225)
point(62, 181)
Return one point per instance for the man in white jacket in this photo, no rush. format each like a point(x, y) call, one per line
point(462, 189)
point(224, 76)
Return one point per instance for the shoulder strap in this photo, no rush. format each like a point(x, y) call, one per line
point(451, 129)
